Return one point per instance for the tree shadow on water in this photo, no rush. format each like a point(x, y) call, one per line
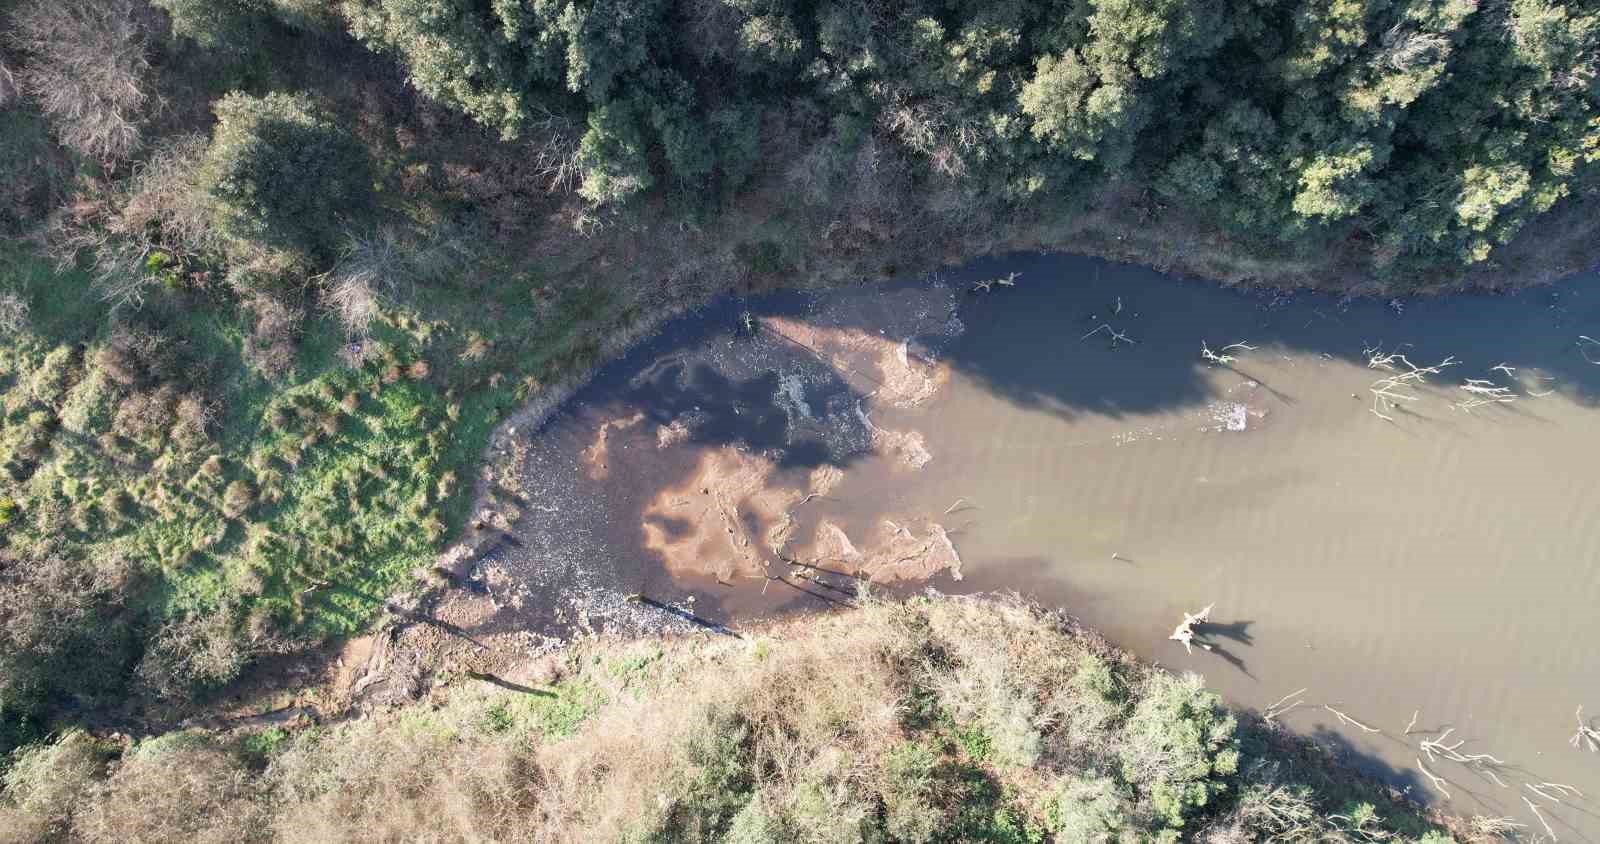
point(1207, 634)
point(1028, 345)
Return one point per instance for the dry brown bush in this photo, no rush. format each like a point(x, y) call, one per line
point(178, 788)
point(163, 198)
point(191, 654)
point(8, 83)
point(377, 782)
point(146, 413)
point(159, 208)
point(273, 343)
point(387, 263)
point(88, 68)
point(13, 313)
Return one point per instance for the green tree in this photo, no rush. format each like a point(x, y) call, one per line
point(282, 174)
point(216, 24)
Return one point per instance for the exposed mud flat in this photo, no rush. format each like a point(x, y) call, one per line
point(777, 452)
point(688, 485)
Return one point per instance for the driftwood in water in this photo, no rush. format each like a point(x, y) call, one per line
point(1586, 736)
point(1222, 357)
point(1185, 631)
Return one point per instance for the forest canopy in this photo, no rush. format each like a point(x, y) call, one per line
point(1430, 130)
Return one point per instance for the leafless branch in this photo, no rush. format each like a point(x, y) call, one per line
point(1221, 356)
point(1586, 736)
point(1558, 788)
point(1584, 342)
point(1117, 337)
point(987, 285)
point(1351, 721)
point(1540, 815)
point(1481, 393)
point(1389, 393)
point(1278, 707)
point(1438, 781)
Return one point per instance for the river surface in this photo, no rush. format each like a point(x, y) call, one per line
point(1063, 437)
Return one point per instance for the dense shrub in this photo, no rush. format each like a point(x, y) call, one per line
point(283, 174)
point(192, 655)
point(1088, 809)
point(1179, 746)
point(64, 629)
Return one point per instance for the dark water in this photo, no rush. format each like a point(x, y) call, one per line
point(1445, 564)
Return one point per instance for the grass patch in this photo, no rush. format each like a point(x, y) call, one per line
point(260, 506)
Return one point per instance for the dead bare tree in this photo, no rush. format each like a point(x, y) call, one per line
point(1584, 342)
point(1222, 356)
point(1282, 705)
point(1482, 763)
point(553, 153)
point(987, 285)
point(1117, 337)
point(1587, 735)
point(1185, 631)
point(1437, 747)
point(1481, 393)
point(88, 68)
point(1391, 392)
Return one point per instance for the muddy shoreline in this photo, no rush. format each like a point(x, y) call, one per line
point(763, 456)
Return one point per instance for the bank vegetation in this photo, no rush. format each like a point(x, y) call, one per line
point(930, 721)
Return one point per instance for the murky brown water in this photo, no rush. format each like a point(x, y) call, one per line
point(1446, 563)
